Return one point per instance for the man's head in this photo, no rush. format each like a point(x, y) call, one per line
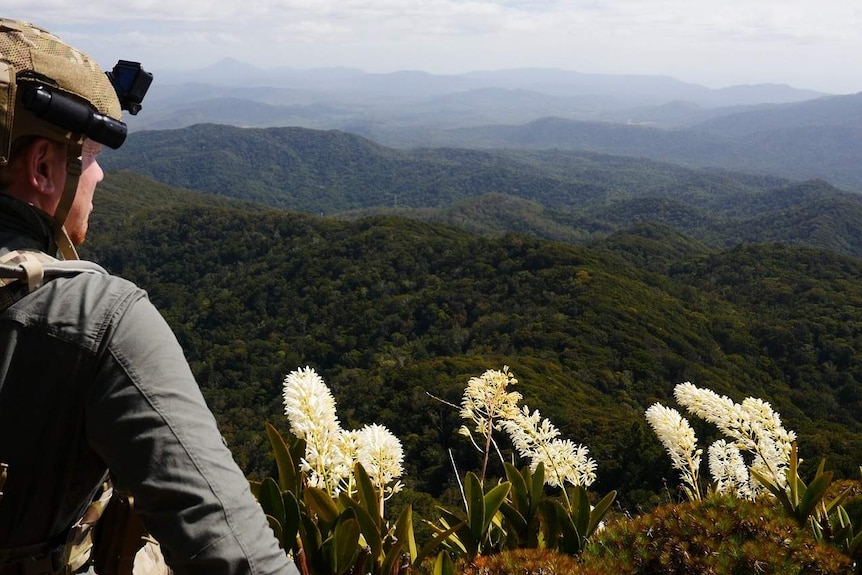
point(57, 107)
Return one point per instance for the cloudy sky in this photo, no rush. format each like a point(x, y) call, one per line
point(815, 44)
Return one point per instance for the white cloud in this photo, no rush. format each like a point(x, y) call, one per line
point(716, 42)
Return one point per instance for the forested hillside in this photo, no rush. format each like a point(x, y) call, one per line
point(390, 310)
point(828, 151)
point(567, 196)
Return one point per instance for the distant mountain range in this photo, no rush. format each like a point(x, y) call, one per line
point(649, 89)
point(814, 139)
point(236, 93)
point(562, 195)
point(762, 129)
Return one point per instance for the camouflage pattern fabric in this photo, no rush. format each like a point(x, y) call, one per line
point(28, 53)
point(80, 542)
point(13, 289)
point(149, 560)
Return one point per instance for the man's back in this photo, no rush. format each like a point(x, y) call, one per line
point(49, 353)
point(92, 377)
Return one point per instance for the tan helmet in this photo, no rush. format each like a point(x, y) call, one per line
point(30, 57)
point(51, 90)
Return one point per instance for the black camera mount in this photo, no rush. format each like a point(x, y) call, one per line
point(129, 80)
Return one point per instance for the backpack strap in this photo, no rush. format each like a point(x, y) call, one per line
point(24, 271)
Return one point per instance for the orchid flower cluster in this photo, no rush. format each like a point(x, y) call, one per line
point(491, 406)
point(752, 427)
point(678, 438)
point(331, 451)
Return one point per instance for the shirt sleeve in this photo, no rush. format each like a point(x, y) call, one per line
point(147, 419)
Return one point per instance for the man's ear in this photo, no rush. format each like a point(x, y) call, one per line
point(45, 167)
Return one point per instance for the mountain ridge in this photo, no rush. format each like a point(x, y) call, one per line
point(582, 196)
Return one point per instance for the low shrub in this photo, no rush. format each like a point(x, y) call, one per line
point(719, 535)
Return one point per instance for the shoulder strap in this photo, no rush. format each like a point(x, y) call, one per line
point(24, 271)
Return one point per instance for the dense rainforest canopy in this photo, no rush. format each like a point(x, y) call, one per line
point(397, 315)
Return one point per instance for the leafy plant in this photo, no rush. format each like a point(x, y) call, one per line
point(280, 500)
point(521, 507)
point(480, 531)
point(568, 528)
point(339, 535)
point(835, 522)
point(535, 521)
point(799, 500)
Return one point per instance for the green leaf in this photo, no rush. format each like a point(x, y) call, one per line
point(552, 513)
point(370, 527)
point(836, 503)
point(404, 532)
point(312, 541)
point(320, 503)
point(813, 495)
point(270, 499)
point(443, 564)
point(582, 515)
point(537, 491)
point(288, 468)
point(842, 535)
point(599, 511)
point(390, 562)
point(572, 539)
point(854, 545)
point(368, 496)
point(292, 518)
point(492, 501)
point(779, 493)
point(345, 544)
point(255, 488)
point(512, 515)
point(793, 477)
point(519, 494)
point(462, 536)
point(475, 506)
point(276, 528)
point(442, 534)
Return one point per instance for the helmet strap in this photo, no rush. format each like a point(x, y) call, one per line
point(73, 173)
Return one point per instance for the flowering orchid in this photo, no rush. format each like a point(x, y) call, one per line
point(488, 402)
point(753, 425)
point(679, 440)
point(331, 451)
point(538, 440)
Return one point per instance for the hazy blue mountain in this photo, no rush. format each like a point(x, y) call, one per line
point(406, 99)
point(244, 113)
point(569, 196)
point(826, 111)
point(763, 129)
point(649, 89)
point(829, 151)
point(555, 82)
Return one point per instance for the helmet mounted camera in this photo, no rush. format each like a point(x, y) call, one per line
point(130, 81)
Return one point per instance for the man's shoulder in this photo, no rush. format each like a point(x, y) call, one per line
point(92, 289)
point(88, 278)
point(77, 306)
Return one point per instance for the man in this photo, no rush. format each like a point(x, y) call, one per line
point(91, 377)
